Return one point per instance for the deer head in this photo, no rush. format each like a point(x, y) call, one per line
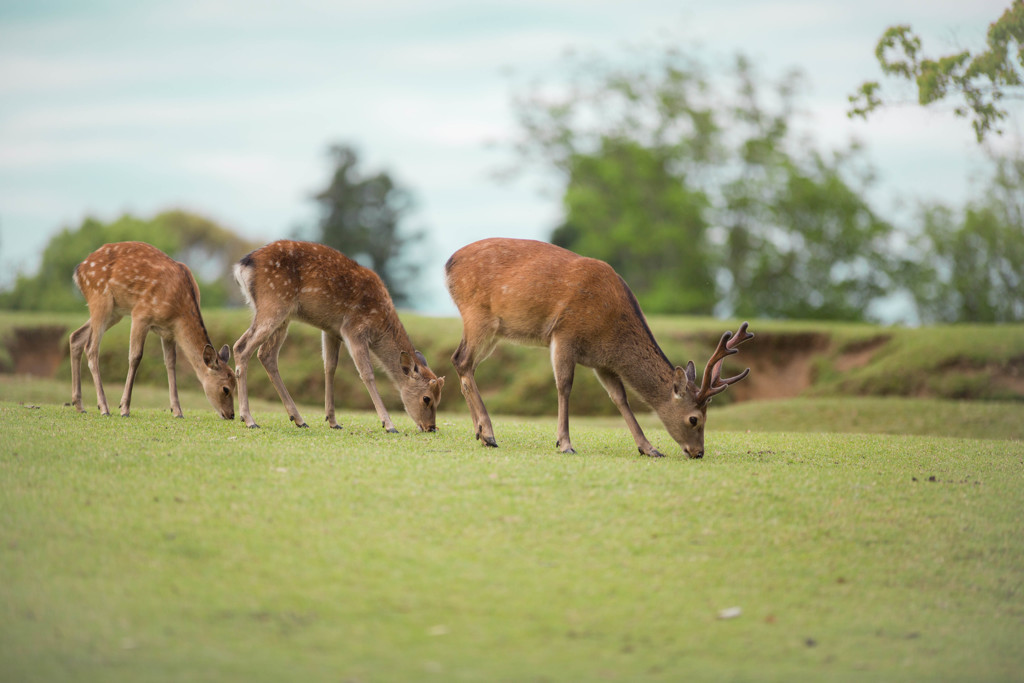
point(421, 391)
point(218, 381)
point(686, 413)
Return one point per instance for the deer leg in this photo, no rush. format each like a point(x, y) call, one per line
point(613, 385)
point(78, 341)
point(99, 322)
point(267, 354)
point(331, 346)
point(563, 362)
point(136, 343)
point(170, 361)
point(466, 360)
point(251, 339)
point(364, 365)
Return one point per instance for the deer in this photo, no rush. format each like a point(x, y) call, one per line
point(536, 293)
point(320, 286)
point(161, 295)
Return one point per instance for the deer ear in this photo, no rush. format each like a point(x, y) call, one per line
point(678, 382)
point(691, 372)
point(225, 353)
point(421, 360)
point(407, 363)
point(210, 357)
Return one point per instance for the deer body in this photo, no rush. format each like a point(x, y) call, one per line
point(160, 295)
point(537, 293)
point(322, 287)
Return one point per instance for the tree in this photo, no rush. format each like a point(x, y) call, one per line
point(982, 80)
point(361, 215)
point(182, 235)
point(972, 265)
point(697, 190)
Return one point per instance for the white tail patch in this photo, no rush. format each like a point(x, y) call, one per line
point(243, 276)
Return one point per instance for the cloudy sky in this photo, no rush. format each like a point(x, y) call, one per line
point(226, 107)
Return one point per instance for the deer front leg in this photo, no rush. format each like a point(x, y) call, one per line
point(564, 364)
point(267, 354)
point(364, 365)
point(170, 361)
point(92, 355)
point(78, 341)
point(617, 392)
point(331, 346)
point(136, 344)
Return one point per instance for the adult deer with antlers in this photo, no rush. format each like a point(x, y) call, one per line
point(537, 293)
point(161, 295)
point(322, 287)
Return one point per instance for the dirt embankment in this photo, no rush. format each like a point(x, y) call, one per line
point(36, 351)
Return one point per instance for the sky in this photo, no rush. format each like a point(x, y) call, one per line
point(227, 107)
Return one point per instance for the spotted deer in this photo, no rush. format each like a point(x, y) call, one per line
point(540, 294)
point(161, 295)
point(322, 287)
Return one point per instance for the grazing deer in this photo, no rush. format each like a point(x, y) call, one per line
point(322, 287)
point(536, 293)
point(160, 294)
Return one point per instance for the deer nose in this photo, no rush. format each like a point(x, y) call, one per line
point(693, 454)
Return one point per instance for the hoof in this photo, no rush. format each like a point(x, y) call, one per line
point(253, 426)
point(336, 427)
point(392, 431)
point(489, 441)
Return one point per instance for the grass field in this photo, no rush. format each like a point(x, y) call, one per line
point(153, 549)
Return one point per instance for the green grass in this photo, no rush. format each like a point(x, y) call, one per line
point(157, 549)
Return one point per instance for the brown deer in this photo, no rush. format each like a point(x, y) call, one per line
point(536, 293)
point(160, 294)
point(322, 287)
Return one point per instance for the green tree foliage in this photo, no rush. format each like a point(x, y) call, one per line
point(697, 190)
point(972, 265)
point(361, 215)
point(205, 246)
point(981, 80)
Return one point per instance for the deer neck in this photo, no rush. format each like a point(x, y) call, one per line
point(389, 343)
point(191, 335)
point(644, 368)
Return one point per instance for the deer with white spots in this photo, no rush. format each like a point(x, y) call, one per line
point(540, 294)
point(161, 295)
point(322, 287)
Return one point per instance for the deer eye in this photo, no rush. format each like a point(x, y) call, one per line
point(426, 400)
point(693, 421)
point(227, 392)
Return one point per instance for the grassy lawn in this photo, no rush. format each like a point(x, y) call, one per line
point(157, 549)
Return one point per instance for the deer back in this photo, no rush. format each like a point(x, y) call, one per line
point(316, 284)
point(530, 291)
point(137, 278)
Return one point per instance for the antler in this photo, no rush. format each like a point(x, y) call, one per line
point(713, 383)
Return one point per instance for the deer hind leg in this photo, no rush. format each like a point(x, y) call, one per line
point(563, 362)
point(360, 353)
point(78, 341)
point(267, 354)
point(475, 346)
point(331, 345)
point(251, 339)
point(170, 361)
point(617, 392)
point(136, 344)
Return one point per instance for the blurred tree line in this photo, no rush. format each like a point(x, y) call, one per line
point(698, 188)
point(361, 214)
